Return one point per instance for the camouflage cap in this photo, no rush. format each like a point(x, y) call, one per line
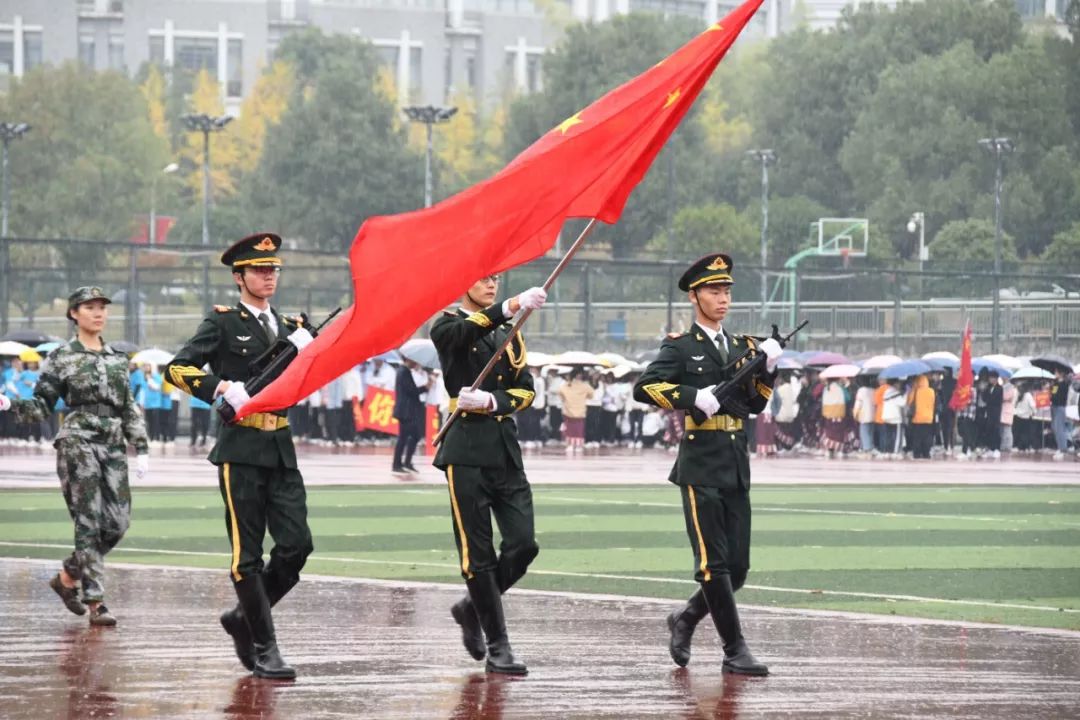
point(86, 293)
point(258, 249)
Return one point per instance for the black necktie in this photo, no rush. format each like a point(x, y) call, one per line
point(721, 346)
point(264, 319)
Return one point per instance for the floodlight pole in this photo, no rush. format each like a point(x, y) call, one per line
point(206, 124)
point(8, 132)
point(767, 157)
point(999, 147)
point(429, 115)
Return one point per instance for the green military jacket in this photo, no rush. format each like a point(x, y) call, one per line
point(713, 454)
point(226, 342)
point(88, 382)
point(465, 344)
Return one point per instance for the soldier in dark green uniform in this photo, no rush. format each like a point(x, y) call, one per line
point(712, 469)
point(482, 461)
point(260, 483)
point(91, 447)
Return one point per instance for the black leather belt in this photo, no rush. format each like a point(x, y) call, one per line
point(99, 409)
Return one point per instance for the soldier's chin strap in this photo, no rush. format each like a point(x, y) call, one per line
point(243, 279)
point(468, 294)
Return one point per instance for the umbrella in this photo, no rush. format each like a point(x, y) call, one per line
point(839, 371)
point(124, 346)
point(940, 363)
point(12, 348)
point(979, 364)
point(29, 336)
point(880, 362)
point(1032, 373)
point(422, 352)
point(824, 359)
point(30, 355)
point(942, 355)
point(612, 359)
point(1006, 361)
point(390, 356)
point(577, 357)
point(537, 358)
point(559, 369)
point(153, 356)
point(789, 363)
point(47, 347)
point(1052, 363)
point(906, 369)
point(647, 356)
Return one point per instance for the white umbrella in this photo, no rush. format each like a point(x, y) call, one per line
point(559, 369)
point(612, 359)
point(154, 356)
point(1006, 361)
point(12, 348)
point(1032, 373)
point(839, 371)
point(534, 357)
point(941, 355)
point(422, 352)
point(880, 362)
point(577, 357)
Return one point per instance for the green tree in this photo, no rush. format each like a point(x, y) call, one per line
point(1063, 254)
point(339, 153)
point(700, 229)
point(969, 244)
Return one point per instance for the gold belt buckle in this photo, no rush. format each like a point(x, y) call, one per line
point(269, 422)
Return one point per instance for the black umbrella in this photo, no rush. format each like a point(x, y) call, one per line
point(31, 337)
point(1052, 363)
point(124, 346)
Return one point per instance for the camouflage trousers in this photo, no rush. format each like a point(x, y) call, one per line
point(94, 480)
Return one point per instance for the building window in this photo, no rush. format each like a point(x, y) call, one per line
point(416, 74)
point(235, 86)
point(32, 50)
point(196, 54)
point(470, 71)
point(116, 53)
point(86, 51)
point(7, 52)
point(157, 50)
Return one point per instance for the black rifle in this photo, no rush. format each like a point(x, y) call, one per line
point(266, 368)
point(725, 392)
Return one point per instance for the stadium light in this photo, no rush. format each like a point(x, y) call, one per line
point(998, 147)
point(429, 115)
point(767, 158)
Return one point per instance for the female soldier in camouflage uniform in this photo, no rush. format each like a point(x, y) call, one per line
point(91, 457)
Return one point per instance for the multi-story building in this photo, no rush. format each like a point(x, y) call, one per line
point(435, 48)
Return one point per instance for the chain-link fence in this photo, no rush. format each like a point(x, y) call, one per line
point(160, 293)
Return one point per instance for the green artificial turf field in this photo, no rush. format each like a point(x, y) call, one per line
point(1000, 554)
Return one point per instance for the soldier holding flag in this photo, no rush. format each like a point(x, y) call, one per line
point(712, 469)
point(257, 472)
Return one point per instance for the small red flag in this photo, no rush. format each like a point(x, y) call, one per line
point(407, 267)
point(965, 381)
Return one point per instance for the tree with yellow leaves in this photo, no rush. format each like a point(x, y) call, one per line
point(225, 155)
point(263, 107)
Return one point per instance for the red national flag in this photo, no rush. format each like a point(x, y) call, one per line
point(965, 381)
point(407, 267)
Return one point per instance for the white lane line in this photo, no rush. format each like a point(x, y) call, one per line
point(810, 511)
point(594, 576)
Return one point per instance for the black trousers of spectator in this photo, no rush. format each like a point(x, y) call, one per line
point(636, 419)
point(592, 423)
point(410, 432)
point(555, 422)
point(968, 433)
point(608, 425)
point(947, 424)
point(989, 434)
point(200, 424)
point(529, 424)
point(922, 438)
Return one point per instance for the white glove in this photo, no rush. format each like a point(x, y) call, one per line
point(706, 402)
point(5, 403)
point(142, 465)
point(533, 298)
point(475, 400)
point(236, 395)
point(300, 337)
point(773, 351)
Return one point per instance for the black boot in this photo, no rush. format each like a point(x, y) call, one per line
point(484, 591)
point(472, 636)
point(234, 623)
point(721, 600)
point(682, 623)
point(256, 607)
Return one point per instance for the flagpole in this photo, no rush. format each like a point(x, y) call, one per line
point(517, 326)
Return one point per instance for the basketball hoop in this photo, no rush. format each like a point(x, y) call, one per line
point(845, 256)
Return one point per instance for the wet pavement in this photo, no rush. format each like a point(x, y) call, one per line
point(390, 650)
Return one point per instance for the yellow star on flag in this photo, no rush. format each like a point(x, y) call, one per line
point(672, 97)
point(715, 27)
point(569, 122)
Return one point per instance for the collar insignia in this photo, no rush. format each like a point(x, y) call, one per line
point(699, 336)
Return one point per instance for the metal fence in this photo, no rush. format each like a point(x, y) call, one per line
point(160, 294)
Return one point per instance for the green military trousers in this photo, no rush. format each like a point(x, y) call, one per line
point(477, 493)
point(258, 499)
point(94, 481)
point(718, 525)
